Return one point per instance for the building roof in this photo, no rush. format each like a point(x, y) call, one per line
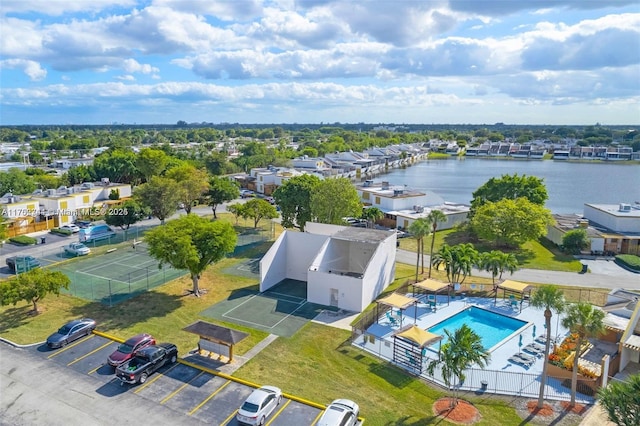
point(216, 332)
point(366, 235)
point(515, 286)
point(614, 209)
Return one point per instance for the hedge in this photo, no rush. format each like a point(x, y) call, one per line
point(629, 261)
point(60, 231)
point(23, 240)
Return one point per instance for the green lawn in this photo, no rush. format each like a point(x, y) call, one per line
point(540, 254)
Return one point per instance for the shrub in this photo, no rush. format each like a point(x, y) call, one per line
point(628, 260)
point(60, 231)
point(24, 240)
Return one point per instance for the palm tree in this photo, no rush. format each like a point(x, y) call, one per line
point(586, 321)
point(419, 228)
point(457, 261)
point(490, 262)
point(462, 350)
point(372, 214)
point(508, 262)
point(434, 217)
point(548, 297)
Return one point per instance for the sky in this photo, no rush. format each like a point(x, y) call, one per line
point(320, 61)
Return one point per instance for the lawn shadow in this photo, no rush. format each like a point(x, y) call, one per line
point(147, 305)
point(429, 420)
point(15, 317)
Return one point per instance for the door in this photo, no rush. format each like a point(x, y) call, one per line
point(334, 297)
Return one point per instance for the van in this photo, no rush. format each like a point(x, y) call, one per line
point(96, 233)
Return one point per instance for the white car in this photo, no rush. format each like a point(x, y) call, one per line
point(77, 249)
point(71, 228)
point(341, 412)
point(259, 405)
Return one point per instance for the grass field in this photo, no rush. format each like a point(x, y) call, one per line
point(540, 254)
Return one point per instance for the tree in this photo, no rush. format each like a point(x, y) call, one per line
point(372, 214)
point(550, 298)
point(419, 229)
point(125, 215)
point(191, 242)
point(118, 165)
point(434, 217)
point(258, 209)
point(509, 187)
point(151, 162)
point(161, 195)
point(463, 349)
point(77, 175)
point(16, 182)
point(236, 209)
point(621, 401)
point(511, 222)
point(294, 200)
point(334, 199)
point(497, 262)
point(32, 286)
point(575, 240)
point(193, 184)
point(586, 321)
point(457, 261)
point(221, 190)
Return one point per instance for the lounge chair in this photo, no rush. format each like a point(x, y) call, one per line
point(534, 349)
point(393, 321)
point(517, 359)
point(527, 357)
point(542, 339)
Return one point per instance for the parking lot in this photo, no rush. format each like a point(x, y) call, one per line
point(195, 392)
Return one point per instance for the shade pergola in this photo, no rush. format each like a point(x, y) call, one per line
point(409, 346)
point(514, 288)
point(397, 301)
point(215, 338)
point(432, 286)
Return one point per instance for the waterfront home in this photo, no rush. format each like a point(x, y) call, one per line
point(265, 180)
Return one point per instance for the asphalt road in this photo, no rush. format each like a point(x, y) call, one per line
point(604, 274)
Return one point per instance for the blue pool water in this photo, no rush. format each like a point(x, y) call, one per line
point(490, 326)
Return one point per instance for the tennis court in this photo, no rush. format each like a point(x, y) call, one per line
point(116, 276)
point(282, 310)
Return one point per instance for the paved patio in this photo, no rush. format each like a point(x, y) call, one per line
point(502, 376)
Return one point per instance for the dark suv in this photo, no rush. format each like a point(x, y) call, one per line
point(19, 264)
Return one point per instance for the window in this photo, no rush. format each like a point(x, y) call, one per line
point(377, 200)
point(365, 195)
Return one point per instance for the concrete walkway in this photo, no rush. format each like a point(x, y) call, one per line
point(240, 360)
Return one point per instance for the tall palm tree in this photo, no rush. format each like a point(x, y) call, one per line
point(548, 297)
point(371, 214)
point(508, 262)
point(419, 228)
point(434, 217)
point(586, 321)
point(457, 261)
point(490, 262)
point(462, 350)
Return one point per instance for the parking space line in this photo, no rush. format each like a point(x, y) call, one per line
point(278, 412)
point(148, 382)
point(96, 369)
point(70, 346)
point(90, 353)
point(207, 399)
point(317, 418)
point(184, 385)
point(228, 419)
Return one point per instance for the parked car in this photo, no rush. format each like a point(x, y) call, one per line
point(96, 233)
point(127, 350)
point(71, 331)
point(270, 200)
point(259, 405)
point(83, 223)
point(341, 412)
point(145, 362)
point(19, 264)
point(247, 193)
point(77, 249)
point(71, 228)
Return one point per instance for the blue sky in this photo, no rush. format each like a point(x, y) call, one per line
point(312, 61)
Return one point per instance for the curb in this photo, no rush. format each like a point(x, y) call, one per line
point(16, 345)
point(108, 336)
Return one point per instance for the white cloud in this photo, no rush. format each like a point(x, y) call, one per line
point(31, 68)
point(58, 7)
point(132, 66)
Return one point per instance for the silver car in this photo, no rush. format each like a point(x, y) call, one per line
point(259, 405)
point(341, 412)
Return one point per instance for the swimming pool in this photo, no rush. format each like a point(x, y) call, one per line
point(490, 326)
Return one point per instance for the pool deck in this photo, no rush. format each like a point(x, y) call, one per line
point(382, 342)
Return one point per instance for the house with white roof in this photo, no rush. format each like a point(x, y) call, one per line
point(344, 267)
